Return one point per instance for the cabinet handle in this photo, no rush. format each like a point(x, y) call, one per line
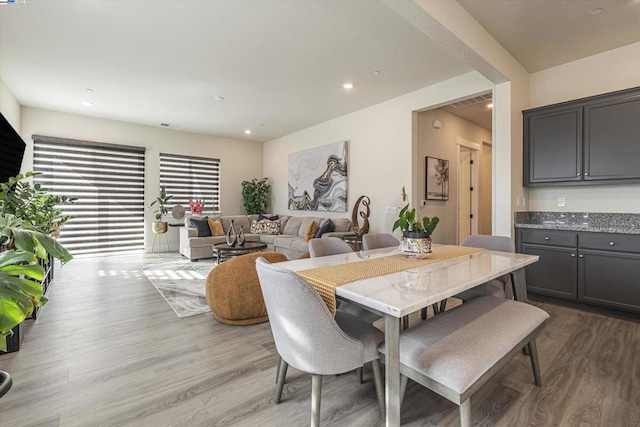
point(611, 244)
point(580, 256)
point(577, 174)
point(586, 174)
point(546, 238)
point(573, 255)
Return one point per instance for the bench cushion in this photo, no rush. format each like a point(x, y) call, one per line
point(457, 347)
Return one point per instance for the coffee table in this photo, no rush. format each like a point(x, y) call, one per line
point(223, 252)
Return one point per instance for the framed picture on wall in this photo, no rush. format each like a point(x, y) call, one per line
point(437, 179)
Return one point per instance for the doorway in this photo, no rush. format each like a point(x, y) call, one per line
point(468, 160)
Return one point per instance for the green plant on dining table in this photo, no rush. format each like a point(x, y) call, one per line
point(409, 222)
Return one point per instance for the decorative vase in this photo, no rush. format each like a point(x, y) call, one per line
point(415, 245)
point(231, 235)
point(159, 227)
point(241, 238)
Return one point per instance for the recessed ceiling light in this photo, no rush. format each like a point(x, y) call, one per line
point(88, 90)
point(596, 11)
point(376, 73)
point(348, 85)
point(87, 103)
point(247, 131)
point(490, 105)
point(218, 98)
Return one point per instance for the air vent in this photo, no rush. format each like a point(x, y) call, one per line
point(164, 125)
point(471, 101)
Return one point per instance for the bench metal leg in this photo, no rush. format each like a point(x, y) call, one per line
point(316, 392)
point(282, 373)
point(533, 354)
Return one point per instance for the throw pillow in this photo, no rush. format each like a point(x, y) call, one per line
point(216, 227)
point(326, 227)
point(265, 227)
point(202, 225)
point(312, 230)
point(270, 218)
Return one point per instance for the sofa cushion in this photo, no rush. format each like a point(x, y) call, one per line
point(293, 226)
point(269, 217)
point(216, 227)
point(285, 241)
point(268, 238)
point(201, 242)
point(265, 227)
point(299, 245)
point(341, 224)
point(283, 222)
point(325, 227)
point(238, 220)
point(312, 230)
point(202, 225)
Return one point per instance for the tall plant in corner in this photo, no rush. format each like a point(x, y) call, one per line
point(255, 195)
point(20, 289)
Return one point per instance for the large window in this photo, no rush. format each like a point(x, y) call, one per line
point(108, 180)
point(189, 178)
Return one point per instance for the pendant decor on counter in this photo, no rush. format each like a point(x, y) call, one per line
point(360, 231)
point(241, 238)
point(232, 239)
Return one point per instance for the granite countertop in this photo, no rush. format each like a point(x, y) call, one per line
point(580, 221)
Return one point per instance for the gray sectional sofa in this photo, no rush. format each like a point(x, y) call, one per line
point(291, 241)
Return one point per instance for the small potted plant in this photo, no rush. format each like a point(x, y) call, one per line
point(416, 232)
point(159, 226)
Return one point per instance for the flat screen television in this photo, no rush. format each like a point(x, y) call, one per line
point(11, 150)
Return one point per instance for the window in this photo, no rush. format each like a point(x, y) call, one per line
point(108, 180)
point(189, 178)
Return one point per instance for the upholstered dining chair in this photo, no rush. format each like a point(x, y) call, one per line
point(310, 339)
point(379, 240)
point(497, 287)
point(456, 352)
point(325, 246)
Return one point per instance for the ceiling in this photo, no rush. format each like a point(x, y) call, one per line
point(279, 65)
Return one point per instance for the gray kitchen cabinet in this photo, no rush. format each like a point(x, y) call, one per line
point(601, 269)
point(587, 141)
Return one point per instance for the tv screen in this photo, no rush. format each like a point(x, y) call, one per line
point(11, 150)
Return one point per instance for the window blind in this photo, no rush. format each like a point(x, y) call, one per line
point(108, 180)
point(189, 178)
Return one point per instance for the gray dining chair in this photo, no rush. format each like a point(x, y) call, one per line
point(308, 337)
point(379, 240)
point(325, 246)
point(499, 287)
point(458, 351)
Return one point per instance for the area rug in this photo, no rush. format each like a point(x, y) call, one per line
point(181, 284)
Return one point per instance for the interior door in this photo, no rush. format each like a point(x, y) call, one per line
point(464, 195)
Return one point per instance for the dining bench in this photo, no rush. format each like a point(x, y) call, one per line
point(458, 351)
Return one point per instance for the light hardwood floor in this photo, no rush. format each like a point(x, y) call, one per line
point(107, 350)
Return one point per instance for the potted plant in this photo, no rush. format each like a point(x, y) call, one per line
point(416, 232)
point(255, 195)
point(160, 202)
point(20, 290)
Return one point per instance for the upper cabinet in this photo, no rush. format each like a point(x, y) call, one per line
point(587, 141)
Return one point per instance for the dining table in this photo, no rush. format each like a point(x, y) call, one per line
point(408, 288)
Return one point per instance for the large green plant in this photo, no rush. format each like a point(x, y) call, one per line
point(409, 221)
point(32, 203)
point(161, 203)
point(255, 195)
point(20, 275)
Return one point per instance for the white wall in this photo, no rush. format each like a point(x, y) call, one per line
point(606, 72)
point(380, 148)
point(239, 160)
point(442, 143)
point(9, 106)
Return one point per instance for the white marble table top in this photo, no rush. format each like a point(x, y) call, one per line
point(402, 293)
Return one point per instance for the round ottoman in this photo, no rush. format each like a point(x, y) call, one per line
point(233, 290)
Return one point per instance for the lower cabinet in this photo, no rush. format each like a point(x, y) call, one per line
point(595, 268)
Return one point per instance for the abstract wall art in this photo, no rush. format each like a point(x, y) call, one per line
point(318, 178)
point(437, 185)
